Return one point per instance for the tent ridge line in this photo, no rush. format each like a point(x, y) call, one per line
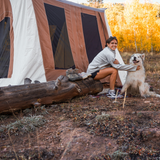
point(81, 6)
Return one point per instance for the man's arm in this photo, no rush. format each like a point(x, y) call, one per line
point(116, 61)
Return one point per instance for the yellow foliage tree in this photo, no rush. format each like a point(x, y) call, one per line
point(135, 25)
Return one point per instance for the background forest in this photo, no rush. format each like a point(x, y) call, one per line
point(135, 24)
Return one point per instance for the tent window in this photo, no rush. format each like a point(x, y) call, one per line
point(91, 35)
point(4, 47)
point(59, 37)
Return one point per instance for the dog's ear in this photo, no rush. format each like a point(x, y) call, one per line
point(143, 56)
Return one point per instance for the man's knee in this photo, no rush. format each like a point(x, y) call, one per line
point(115, 71)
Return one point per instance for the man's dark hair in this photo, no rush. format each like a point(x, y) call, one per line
point(110, 39)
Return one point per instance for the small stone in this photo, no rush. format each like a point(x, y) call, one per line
point(146, 101)
point(109, 144)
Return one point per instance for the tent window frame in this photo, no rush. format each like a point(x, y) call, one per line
point(91, 35)
point(5, 46)
point(61, 48)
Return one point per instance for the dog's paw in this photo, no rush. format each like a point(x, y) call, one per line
point(143, 96)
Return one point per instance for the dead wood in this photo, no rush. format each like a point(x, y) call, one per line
point(61, 90)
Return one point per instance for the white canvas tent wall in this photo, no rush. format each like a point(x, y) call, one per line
point(31, 54)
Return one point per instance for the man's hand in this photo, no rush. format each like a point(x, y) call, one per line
point(138, 68)
point(116, 61)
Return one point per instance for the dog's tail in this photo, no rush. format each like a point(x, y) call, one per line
point(153, 94)
point(157, 95)
point(150, 93)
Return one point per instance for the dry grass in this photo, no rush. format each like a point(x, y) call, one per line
point(24, 125)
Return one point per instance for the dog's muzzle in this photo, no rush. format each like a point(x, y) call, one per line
point(134, 60)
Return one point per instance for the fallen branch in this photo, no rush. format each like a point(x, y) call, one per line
point(61, 90)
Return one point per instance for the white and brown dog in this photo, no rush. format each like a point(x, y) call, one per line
point(136, 80)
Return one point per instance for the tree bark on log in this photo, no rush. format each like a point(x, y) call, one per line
point(61, 90)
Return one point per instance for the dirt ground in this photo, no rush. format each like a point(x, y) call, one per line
point(87, 128)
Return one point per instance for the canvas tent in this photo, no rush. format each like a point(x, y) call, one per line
point(41, 39)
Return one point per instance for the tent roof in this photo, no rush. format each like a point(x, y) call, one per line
point(82, 6)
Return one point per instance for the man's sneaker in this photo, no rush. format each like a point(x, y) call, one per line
point(120, 96)
point(111, 94)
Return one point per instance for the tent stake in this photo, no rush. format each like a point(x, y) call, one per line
point(124, 98)
point(116, 95)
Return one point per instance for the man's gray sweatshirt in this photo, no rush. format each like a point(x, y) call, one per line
point(105, 59)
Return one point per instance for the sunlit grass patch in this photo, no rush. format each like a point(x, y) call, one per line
point(153, 67)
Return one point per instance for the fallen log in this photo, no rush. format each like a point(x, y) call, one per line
point(61, 90)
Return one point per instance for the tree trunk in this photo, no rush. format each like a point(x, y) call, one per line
point(61, 90)
point(135, 41)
